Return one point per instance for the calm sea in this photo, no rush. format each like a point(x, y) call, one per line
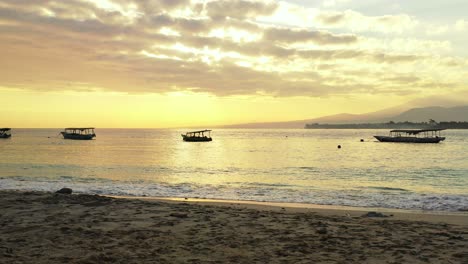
point(303, 166)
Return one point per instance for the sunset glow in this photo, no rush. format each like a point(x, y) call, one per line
point(126, 63)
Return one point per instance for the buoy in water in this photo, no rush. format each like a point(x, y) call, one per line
point(339, 146)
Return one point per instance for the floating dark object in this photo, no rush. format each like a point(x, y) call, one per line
point(65, 191)
point(362, 140)
point(339, 146)
point(374, 214)
point(322, 231)
point(179, 215)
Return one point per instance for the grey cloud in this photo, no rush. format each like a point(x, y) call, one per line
point(330, 18)
point(139, 74)
point(319, 37)
point(402, 79)
point(242, 24)
point(240, 8)
point(330, 54)
point(194, 26)
point(105, 51)
point(25, 2)
point(180, 24)
point(359, 22)
point(85, 26)
point(150, 7)
point(358, 54)
point(388, 58)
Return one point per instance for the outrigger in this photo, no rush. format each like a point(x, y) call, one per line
point(5, 132)
point(197, 136)
point(80, 133)
point(413, 136)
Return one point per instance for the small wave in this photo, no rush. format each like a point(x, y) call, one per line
point(306, 168)
point(388, 188)
point(259, 192)
point(260, 184)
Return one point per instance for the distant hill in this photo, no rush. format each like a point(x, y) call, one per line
point(392, 125)
point(397, 114)
point(287, 124)
point(459, 114)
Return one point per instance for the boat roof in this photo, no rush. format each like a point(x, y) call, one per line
point(206, 130)
point(5, 129)
point(78, 128)
point(416, 131)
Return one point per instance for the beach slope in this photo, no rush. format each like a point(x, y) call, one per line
point(37, 227)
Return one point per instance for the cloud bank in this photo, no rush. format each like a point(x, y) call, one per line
point(223, 48)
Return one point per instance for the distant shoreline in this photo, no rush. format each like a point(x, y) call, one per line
point(391, 125)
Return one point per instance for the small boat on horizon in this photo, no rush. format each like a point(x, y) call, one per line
point(5, 132)
point(413, 136)
point(79, 133)
point(197, 136)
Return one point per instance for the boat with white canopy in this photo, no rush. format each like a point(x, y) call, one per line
point(197, 136)
point(5, 132)
point(413, 136)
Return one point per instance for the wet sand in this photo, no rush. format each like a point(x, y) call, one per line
point(37, 227)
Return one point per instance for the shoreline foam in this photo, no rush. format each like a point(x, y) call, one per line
point(407, 201)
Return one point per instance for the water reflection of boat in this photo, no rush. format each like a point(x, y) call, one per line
point(80, 133)
point(197, 136)
point(413, 136)
point(5, 132)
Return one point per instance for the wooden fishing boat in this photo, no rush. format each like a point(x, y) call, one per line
point(79, 133)
point(413, 136)
point(197, 136)
point(5, 132)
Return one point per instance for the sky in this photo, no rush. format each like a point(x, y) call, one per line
point(187, 63)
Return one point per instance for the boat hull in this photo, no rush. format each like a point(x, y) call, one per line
point(409, 139)
point(196, 139)
point(78, 136)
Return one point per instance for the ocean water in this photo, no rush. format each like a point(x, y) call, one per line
point(298, 165)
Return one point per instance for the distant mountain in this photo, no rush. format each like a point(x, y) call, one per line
point(396, 114)
point(344, 118)
point(287, 124)
point(459, 113)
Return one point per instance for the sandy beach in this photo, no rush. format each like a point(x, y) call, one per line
point(39, 227)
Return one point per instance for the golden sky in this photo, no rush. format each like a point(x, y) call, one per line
point(161, 63)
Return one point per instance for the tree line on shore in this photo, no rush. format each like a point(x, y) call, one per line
point(393, 125)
